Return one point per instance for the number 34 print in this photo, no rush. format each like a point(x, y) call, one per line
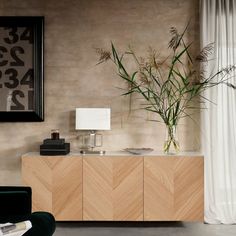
point(21, 69)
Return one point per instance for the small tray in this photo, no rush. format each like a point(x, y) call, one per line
point(138, 151)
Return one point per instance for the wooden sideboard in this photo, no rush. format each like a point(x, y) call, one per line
point(117, 187)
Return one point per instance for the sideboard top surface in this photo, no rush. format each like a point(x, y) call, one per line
point(118, 154)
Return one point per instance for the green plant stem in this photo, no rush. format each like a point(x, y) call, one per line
point(171, 140)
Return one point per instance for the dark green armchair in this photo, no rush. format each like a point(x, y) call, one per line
point(15, 206)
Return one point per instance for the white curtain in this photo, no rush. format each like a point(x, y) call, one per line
point(218, 25)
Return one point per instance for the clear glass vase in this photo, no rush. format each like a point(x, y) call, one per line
point(171, 145)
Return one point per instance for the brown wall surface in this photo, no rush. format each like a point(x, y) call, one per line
point(73, 28)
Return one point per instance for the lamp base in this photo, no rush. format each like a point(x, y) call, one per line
point(84, 152)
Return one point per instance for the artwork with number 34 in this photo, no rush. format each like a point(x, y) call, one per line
point(21, 69)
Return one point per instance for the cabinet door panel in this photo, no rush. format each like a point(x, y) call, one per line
point(189, 189)
point(36, 173)
point(97, 188)
point(113, 188)
point(173, 188)
point(158, 189)
point(67, 189)
point(56, 184)
point(128, 188)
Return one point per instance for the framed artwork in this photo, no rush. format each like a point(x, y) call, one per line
point(21, 69)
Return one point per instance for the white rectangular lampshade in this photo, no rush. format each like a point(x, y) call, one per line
point(93, 119)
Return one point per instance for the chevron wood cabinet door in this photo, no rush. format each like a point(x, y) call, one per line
point(113, 188)
point(173, 188)
point(56, 184)
point(97, 188)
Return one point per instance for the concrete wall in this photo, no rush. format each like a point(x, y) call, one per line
point(73, 28)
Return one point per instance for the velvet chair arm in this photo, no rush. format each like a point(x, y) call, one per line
point(15, 206)
point(15, 201)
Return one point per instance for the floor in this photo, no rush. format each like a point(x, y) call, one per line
point(147, 229)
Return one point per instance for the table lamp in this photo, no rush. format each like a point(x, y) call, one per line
point(92, 120)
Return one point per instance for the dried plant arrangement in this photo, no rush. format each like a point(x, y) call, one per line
point(168, 86)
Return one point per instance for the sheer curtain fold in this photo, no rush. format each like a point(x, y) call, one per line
point(218, 22)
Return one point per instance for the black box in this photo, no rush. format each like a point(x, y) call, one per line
point(54, 151)
point(53, 146)
point(54, 141)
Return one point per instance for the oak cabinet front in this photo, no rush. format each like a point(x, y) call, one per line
point(173, 189)
point(116, 188)
point(113, 188)
point(56, 184)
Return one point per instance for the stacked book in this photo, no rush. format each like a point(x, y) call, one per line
point(15, 229)
point(53, 147)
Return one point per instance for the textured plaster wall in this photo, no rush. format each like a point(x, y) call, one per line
point(73, 28)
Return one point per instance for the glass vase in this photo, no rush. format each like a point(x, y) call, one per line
point(171, 145)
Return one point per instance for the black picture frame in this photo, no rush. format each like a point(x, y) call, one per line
point(35, 96)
